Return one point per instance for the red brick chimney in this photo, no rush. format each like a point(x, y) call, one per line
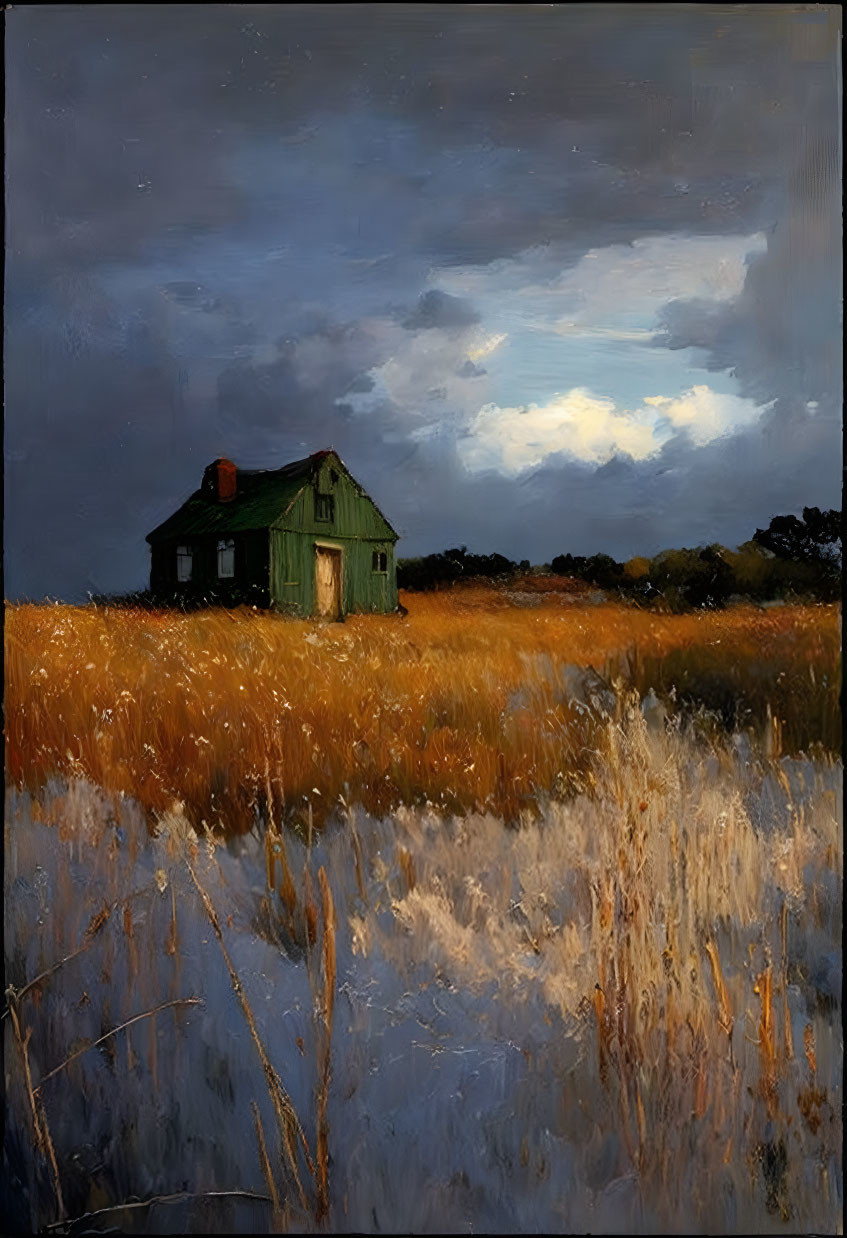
point(219, 480)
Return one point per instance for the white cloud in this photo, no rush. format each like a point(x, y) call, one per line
point(615, 290)
point(640, 277)
point(591, 429)
point(426, 375)
point(705, 414)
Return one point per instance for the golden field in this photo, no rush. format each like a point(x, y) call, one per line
point(622, 1016)
point(464, 703)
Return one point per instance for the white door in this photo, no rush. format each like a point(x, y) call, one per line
point(327, 582)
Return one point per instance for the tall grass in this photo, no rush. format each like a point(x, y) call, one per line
point(623, 1016)
point(400, 1014)
point(469, 703)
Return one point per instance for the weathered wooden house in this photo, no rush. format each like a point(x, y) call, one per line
point(305, 539)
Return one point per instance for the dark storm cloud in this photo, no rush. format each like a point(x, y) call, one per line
point(778, 337)
point(211, 209)
point(437, 309)
point(132, 113)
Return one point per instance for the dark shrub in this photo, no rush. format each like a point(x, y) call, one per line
point(451, 565)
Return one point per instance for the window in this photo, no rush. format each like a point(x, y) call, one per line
point(324, 507)
point(183, 563)
point(379, 563)
point(226, 558)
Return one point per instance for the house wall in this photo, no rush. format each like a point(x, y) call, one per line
point(355, 514)
point(252, 569)
point(362, 589)
point(356, 527)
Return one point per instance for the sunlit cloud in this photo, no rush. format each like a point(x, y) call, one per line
point(705, 414)
point(635, 335)
point(486, 347)
point(591, 429)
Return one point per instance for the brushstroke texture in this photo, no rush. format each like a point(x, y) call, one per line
point(251, 230)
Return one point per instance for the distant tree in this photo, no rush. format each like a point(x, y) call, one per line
point(455, 564)
point(600, 570)
point(566, 565)
point(693, 577)
point(755, 571)
point(457, 554)
point(637, 568)
point(717, 581)
point(816, 539)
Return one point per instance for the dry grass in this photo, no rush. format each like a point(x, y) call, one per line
point(666, 928)
point(657, 946)
point(465, 704)
point(626, 996)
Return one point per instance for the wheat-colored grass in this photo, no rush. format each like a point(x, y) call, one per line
point(640, 904)
point(464, 703)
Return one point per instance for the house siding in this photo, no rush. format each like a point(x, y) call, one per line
point(251, 580)
point(293, 572)
point(355, 514)
point(275, 564)
point(357, 528)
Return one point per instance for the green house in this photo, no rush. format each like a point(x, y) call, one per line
point(304, 539)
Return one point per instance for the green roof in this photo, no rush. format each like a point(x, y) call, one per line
point(263, 496)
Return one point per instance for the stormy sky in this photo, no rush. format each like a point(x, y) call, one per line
point(549, 278)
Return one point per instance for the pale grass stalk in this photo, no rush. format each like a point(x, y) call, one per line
point(357, 855)
point(270, 831)
point(767, 1039)
point(327, 1008)
point(39, 1118)
point(270, 858)
point(172, 941)
point(129, 933)
point(265, 1163)
point(94, 926)
point(789, 1040)
point(310, 908)
point(275, 850)
point(725, 1018)
point(178, 1197)
point(147, 1014)
point(809, 1049)
point(290, 1129)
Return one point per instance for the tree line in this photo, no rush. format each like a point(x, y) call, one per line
point(792, 557)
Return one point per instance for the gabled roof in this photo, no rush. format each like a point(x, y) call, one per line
point(263, 496)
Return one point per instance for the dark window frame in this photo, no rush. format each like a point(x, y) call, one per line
point(325, 508)
point(224, 546)
point(184, 551)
